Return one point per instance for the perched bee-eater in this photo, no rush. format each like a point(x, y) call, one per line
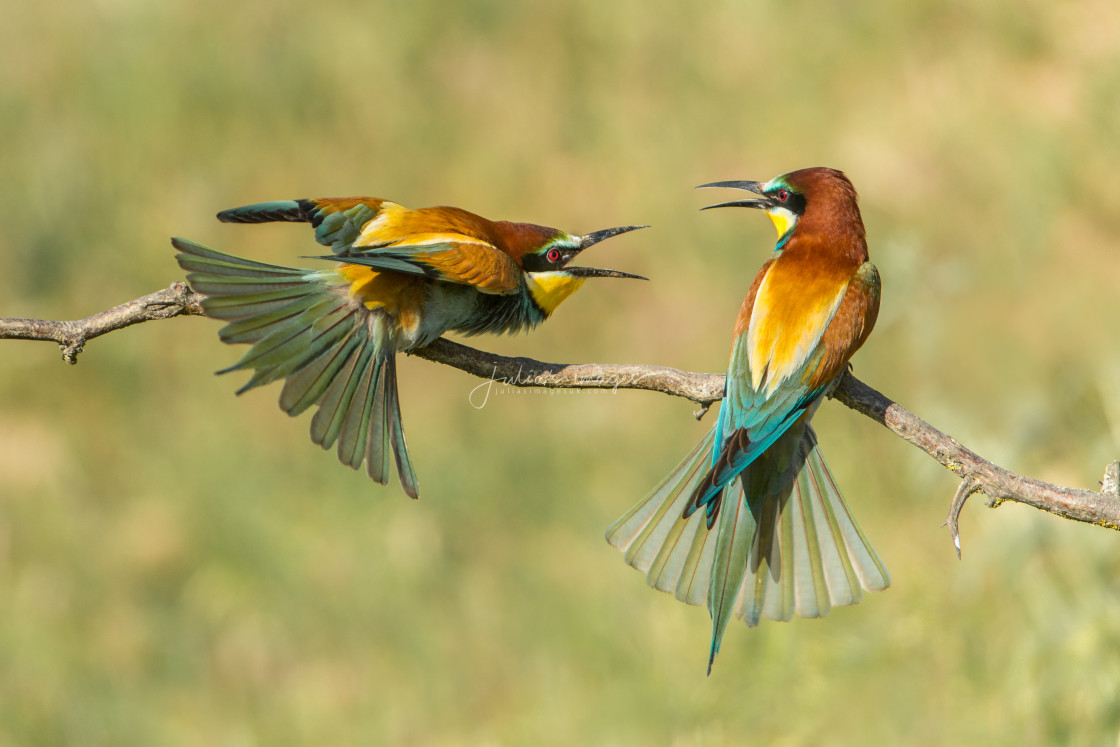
point(751, 522)
point(403, 277)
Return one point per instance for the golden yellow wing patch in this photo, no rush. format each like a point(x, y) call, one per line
point(480, 265)
point(396, 224)
point(791, 311)
point(451, 243)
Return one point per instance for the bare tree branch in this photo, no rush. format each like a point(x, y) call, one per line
point(704, 389)
point(981, 476)
point(977, 475)
point(72, 336)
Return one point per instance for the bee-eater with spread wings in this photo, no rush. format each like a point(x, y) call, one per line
point(402, 278)
point(751, 522)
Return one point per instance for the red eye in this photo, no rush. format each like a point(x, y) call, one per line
point(553, 255)
point(783, 195)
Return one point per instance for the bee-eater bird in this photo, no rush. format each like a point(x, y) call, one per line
point(751, 522)
point(403, 277)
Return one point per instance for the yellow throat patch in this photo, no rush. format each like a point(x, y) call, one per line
point(783, 220)
point(549, 289)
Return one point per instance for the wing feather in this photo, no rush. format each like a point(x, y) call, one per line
point(468, 262)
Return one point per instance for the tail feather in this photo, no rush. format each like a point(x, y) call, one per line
point(377, 455)
point(328, 420)
point(730, 567)
point(661, 544)
point(333, 351)
point(306, 386)
point(812, 592)
point(235, 308)
point(783, 545)
point(282, 357)
point(356, 424)
point(860, 564)
point(682, 569)
point(251, 329)
point(396, 434)
point(277, 344)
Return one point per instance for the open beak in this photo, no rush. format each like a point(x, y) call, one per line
point(755, 187)
point(592, 239)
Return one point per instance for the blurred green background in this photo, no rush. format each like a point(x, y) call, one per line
point(179, 566)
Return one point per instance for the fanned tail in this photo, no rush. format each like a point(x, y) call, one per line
point(784, 542)
point(333, 352)
point(673, 552)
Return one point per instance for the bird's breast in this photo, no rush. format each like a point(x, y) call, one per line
point(792, 308)
point(422, 309)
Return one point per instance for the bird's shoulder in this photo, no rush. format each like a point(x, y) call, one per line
point(850, 326)
point(394, 224)
point(443, 243)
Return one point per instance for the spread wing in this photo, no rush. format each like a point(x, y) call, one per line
point(446, 244)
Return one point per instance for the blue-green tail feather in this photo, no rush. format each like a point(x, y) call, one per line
point(783, 542)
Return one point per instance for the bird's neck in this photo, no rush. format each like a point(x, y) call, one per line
point(837, 235)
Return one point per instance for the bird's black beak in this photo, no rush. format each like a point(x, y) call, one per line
point(595, 272)
point(755, 187)
point(594, 238)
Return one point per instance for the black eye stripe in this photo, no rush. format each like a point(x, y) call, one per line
point(546, 260)
point(790, 200)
